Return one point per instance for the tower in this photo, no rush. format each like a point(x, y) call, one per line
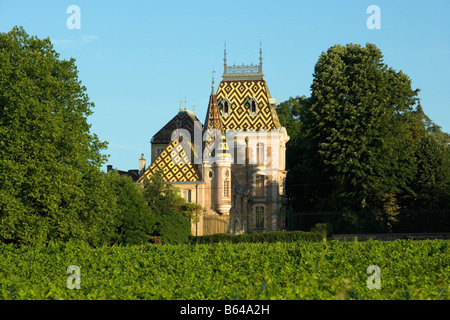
point(222, 177)
point(216, 158)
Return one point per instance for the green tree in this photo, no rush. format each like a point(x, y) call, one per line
point(173, 214)
point(430, 188)
point(50, 182)
point(162, 197)
point(356, 126)
point(135, 221)
point(432, 182)
point(306, 183)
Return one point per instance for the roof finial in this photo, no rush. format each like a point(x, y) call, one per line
point(260, 56)
point(225, 58)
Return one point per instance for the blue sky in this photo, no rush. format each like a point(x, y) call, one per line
point(139, 59)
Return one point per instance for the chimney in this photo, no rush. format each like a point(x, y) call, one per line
point(108, 168)
point(141, 165)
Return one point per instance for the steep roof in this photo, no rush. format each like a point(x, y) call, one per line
point(213, 126)
point(213, 117)
point(185, 119)
point(174, 164)
point(240, 85)
point(240, 93)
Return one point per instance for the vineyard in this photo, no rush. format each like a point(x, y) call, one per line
point(297, 270)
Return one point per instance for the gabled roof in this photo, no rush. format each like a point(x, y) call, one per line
point(174, 164)
point(185, 119)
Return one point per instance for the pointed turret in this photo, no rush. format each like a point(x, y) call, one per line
point(213, 126)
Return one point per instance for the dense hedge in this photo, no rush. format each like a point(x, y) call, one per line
point(409, 221)
point(318, 233)
point(173, 228)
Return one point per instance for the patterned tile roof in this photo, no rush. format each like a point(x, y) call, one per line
point(183, 120)
point(174, 164)
point(240, 93)
point(212, 127)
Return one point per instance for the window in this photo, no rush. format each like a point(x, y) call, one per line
point(259, 217)
point(253, 107)
point(226, 188)
point(158, 151)
point(259, 185)
point(225, 108)
point(187, 194)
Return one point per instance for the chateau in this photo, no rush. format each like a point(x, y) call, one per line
point(233, 164)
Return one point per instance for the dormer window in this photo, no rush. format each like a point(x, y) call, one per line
point(253, 107)
point(226, 108)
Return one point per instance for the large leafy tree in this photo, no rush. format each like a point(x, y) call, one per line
point(355, 125)
point(50, 181)
point(359, 145)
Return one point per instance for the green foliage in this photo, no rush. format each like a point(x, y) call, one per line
point(162, 197)
point(324, 229)
point(289, 114)
point(360, 146)
point(173, 227)
point(135, 220)
point(51, 186)
point(317, 234)
point(432, 182)
point(355, 123)
point(410, 269)
point(173, 214)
